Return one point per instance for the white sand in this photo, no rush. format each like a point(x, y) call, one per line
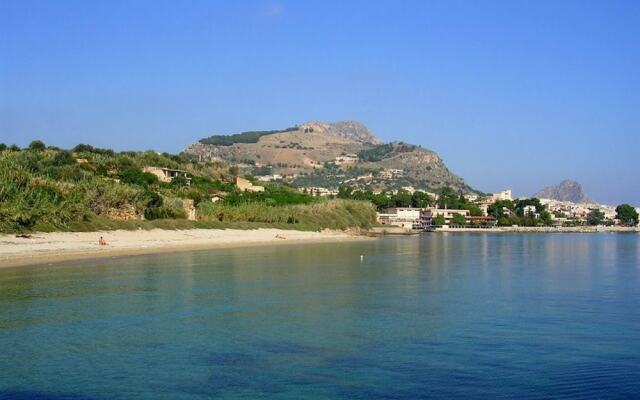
point(49, 247)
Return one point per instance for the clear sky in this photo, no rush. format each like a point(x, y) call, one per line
point(512, 94)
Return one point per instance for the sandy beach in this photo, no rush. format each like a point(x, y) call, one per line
point(44, 248)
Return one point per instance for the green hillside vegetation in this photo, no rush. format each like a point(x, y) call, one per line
point(86, 188)
point(242, 137)
point(382, 151)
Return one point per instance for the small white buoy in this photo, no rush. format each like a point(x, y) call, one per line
point(361, 257)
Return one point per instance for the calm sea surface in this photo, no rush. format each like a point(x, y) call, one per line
point(519, 316)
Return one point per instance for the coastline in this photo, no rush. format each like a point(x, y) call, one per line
point(543, 229)
point(46, 248)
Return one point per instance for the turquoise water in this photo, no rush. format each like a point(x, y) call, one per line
point(459, 316)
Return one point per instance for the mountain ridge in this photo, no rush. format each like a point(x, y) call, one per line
point(328, 153)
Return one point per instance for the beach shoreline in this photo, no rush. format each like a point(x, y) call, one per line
point(55, 247)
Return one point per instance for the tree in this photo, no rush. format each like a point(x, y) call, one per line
point(439, 220)
point(135, 176)
point(14, 147)
point(37, 145)
point(402, 198)
point(421, 199)
point(3, 146)
point(595, 217)
point(497, 209)
point(458, 219)
point(382, 201)
point(83, 148)
point(627, 215)
point(344, 192)
point(63, 157)
point(448, 198)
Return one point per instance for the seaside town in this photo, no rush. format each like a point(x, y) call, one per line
point(458, 211)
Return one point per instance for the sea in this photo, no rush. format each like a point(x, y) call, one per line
point(435, 316)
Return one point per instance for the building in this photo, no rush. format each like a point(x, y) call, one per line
point(529, 210)
point(318, 191)
point(404, 217)
point(269, 178)
point(246, 186)
point(216, 197)
point(502, 195)
point(346, 159)
point(448, 214)
point(409, 189)
point(472, 197)
point(167, 175)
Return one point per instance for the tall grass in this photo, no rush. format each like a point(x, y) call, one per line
point(331, 214)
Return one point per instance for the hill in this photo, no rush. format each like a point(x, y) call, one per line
point(566, 190)
point(87, 189)
point(329, 154)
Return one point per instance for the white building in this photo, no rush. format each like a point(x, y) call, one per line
point(529, 210)
point(502, 195)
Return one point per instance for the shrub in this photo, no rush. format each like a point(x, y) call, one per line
point(37, 145)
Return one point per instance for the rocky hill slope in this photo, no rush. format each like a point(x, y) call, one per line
point(328, 154)
point(566, 190)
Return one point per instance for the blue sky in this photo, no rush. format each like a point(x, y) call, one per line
point(512, 94)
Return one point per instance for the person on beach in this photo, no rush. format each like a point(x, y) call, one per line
point(102, 242)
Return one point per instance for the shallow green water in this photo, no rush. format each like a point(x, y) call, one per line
point(467, 316)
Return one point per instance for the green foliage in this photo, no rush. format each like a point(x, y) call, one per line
point(3, 147)
point(627, 215)
point(37, 145)
point(135, 176)
point(48, 190)
point(500, 210)
point(595, 217)
point(243, 137)
point(63, 157)
point(439, 220)
point(402, 199)
point(421, 200)
point(273, 195)
point(458, 219)
point(376, 153)
point(329, 214)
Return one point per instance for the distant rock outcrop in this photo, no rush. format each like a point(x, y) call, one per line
point(566, 190)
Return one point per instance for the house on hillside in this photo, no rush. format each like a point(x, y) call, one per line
point(215, 197)
point(167, 174)
point(347, 159)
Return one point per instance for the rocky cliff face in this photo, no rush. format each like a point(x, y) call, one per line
point(350, 130)
point(320, 148)
point(566, 190)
